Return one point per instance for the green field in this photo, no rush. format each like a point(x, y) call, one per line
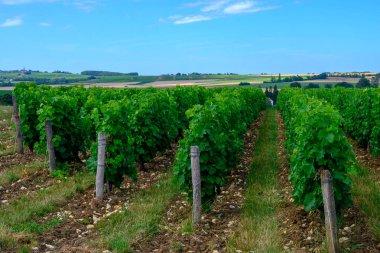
point(10, 79)
point(67, 78)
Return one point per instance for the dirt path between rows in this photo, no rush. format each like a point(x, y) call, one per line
point(17, 159)
point(28, 184)
point(366, 160)
point(81, 214)
point(216, 226)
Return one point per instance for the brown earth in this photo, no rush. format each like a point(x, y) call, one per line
point(365, 159)
point(5, 128)
point(18, 159)
point(217, 225)
point(26, 185)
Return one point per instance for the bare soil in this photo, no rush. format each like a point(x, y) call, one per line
point(217, 225)
point(18, 159)
point(26, 185)
point(365, 159)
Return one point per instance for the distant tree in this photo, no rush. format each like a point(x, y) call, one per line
point(244, 84)
point(363, 83)
point(267, 92)
point(375, 80)
point(6, 99)
point(279, 77)
point(344, 85)
point(312, 86)
point(272, 94)
point(320, 76)
point(275, 94)
point(323, 76)
point(295, 85)
point(328, 86)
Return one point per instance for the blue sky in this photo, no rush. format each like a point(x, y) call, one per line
point(157, 37)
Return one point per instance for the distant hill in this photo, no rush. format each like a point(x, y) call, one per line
point(107, 73)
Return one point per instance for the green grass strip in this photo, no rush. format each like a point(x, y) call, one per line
point(16, 172)
point(258, 230)
point(366, 193)
point(141, 219)
point(7, 138)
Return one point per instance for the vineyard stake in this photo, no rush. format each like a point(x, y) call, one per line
point(101, 166)
point(330, 213)
point(196, 180)
point(50, 146)
point(15, 111)
point(16, 119)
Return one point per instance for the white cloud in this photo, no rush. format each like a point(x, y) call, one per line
point(214, 6)
point(175, 17)
point(241, 7)
point(85, 5)
point(216, 9)
point(193, 4)
point(191, 19)
point(45, 24)
point(245, 7)
point(16, 21)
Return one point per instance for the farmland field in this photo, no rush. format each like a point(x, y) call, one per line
point(248, 153)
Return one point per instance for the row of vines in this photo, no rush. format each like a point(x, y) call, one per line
point(317, 122)
point(139, 123)
point(316, 141)
point(360, 109)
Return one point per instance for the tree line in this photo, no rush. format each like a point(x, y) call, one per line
point(107, 73)
point(362, 83)
point(296, 78)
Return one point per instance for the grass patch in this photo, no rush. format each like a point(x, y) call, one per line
point(36, 228)
point(7, 240)
point(366, 193)
point(177, 247)
point(187, 225)
point(7, 137)
point(14, 173)
point(140, 220)
point(6, 114)
point(12, 177)
point(258, 229)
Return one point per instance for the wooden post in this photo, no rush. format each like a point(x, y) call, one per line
point(101, 166)
point(196, 179)
point(50, 146)
point(330, 213)
point(16, 119)
point(15, 111)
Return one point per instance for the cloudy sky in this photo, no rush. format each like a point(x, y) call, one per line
point(156, 37)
